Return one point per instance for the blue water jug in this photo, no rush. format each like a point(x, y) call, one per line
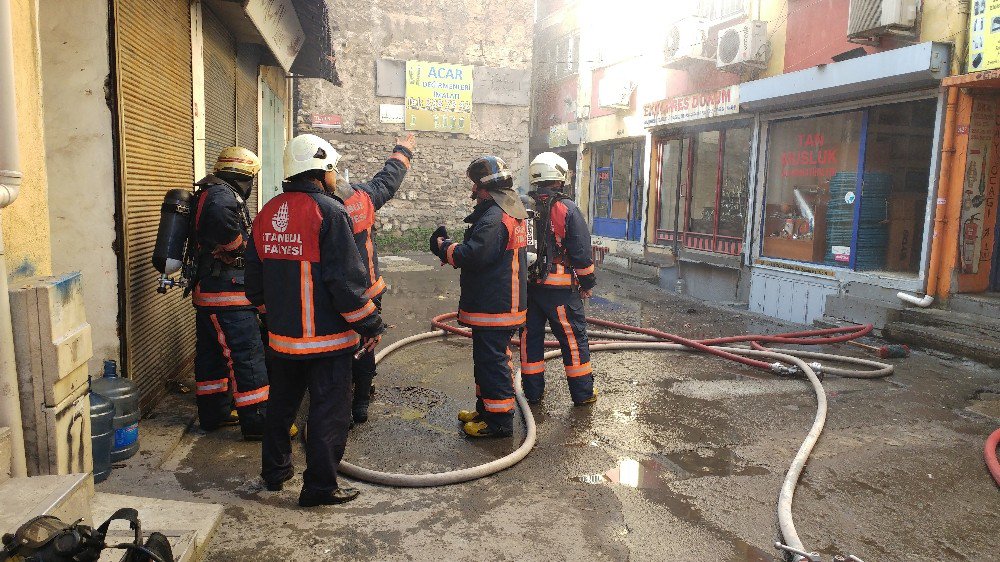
point(102, 434)
point(124, 394)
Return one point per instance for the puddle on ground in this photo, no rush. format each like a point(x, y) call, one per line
point(629, 472)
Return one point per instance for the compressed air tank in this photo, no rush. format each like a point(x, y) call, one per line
point(168, 253)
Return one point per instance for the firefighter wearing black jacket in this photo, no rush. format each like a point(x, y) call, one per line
point(562, 273)
point(303, 267)
point(229, 358)
point(362, 201)
point(492, 258)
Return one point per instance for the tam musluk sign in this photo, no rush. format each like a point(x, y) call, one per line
point(438, 97)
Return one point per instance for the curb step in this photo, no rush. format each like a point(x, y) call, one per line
point(985, 350)
point(631, 274)
point(66, 497)
point(170, 517)
point(182, 545)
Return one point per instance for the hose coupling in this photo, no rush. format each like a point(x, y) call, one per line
point(783, 370)
point(817, 368)
point(801, 554)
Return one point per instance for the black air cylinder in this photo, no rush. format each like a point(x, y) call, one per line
point(168, 254)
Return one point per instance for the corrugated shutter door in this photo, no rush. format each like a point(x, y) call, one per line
point(246, 106)
point(153, 65)
point(220, 87)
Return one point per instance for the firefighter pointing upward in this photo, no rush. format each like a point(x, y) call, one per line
point(303, 266)
point(492, 258)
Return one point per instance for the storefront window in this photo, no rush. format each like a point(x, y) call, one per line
point(712, 167)
point(811, 183)
point(816, 208)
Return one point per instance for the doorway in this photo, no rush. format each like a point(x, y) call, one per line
point(618, 195)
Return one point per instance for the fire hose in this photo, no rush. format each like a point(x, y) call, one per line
point(990, 455)
point(787, 362)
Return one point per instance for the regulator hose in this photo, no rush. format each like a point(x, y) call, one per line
point(656, 340)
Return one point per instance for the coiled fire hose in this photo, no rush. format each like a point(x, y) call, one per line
point(784, 362)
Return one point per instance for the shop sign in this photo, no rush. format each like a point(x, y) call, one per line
point(558, 135)
point(691, 107)
point(984, 35)
point(798, 267)
point(327, 121)
point(438, 97)
point(979, 193)
point(391, 113)
point(278, 24)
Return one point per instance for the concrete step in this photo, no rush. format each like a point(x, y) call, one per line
point(631, 274)
point(66, 497)
point(972, 325)
point(983, 305)
point(182, 545)
point(5, 452)
point(986, 350)
point(860, 310)
point(170, 517)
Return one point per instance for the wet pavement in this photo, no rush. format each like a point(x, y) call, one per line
point(681, 458)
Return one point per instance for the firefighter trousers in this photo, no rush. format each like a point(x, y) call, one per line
point(363, 373)
point(562, 309)
point(229, 369)
point(492, 368)
point(328, 380)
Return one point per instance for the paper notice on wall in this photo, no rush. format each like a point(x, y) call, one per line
point(390, 113)
point(984, 35)
point(841, 253)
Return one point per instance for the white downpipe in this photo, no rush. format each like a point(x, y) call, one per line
point(10, 184)
point(915, 300)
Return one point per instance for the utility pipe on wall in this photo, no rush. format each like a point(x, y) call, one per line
point(10, 184)
point(949, 196)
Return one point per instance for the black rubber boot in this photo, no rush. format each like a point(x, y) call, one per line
point(340, 495)
point(363, 392)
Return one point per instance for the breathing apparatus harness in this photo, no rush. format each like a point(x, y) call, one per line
point(548, 251)
point(199, 263)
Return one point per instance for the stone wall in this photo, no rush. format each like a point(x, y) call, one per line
point(496, 34)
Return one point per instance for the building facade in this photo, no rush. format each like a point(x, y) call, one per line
point(786, 155)
point(363, 117)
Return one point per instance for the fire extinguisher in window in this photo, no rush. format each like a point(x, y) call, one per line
point(970, 233)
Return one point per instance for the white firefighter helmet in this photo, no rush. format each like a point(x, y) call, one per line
point(547, 166)
point(237, 160)
point(309, 152)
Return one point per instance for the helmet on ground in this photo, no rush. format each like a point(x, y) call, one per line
point(547, 166)
point(309, 152)
point(237, 160)
point(490, 173)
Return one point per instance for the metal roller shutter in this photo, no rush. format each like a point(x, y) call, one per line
point(153, 70)
point(220, 87)
point(247, 58)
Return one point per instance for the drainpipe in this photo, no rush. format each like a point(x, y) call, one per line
point(949, 200)
point(10, 184)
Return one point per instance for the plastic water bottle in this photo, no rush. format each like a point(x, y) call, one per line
point(102, 434)
point(124, 394)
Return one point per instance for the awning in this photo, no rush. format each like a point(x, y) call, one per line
point(889, 72)
point(294, 33)
point(987, 80)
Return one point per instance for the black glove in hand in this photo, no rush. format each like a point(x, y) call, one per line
point(441, 232)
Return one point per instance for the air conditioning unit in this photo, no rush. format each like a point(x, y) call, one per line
point(687, 44)
point(870, 18)
point(742, 46)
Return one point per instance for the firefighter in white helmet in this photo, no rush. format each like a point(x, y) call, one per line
point(558, 281)
point(304, 268)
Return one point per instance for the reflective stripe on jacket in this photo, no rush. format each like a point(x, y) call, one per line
point(493, 260)
point(303, 266)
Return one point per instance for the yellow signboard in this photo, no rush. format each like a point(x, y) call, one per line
point(984, 35)
point(438, 97)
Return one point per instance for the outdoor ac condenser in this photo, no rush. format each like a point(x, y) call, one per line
point(869, 18)
point(743, 46)
point(687, 44)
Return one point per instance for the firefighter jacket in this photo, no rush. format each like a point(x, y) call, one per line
point(304, 269)
point(493, 260)
point(362, 200)
point(564, 239)
point(219, 234)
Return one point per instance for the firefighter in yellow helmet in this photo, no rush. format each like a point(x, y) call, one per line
point(229, 362)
